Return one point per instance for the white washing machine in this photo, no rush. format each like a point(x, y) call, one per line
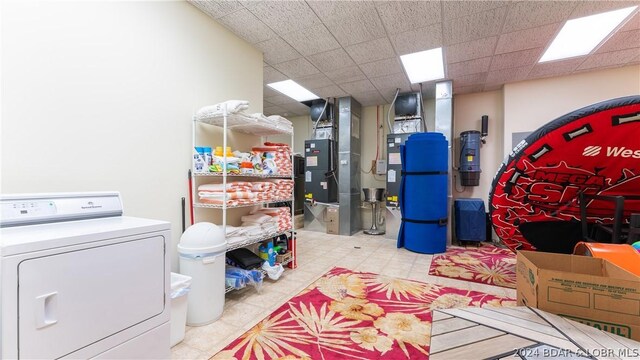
point(79, 280)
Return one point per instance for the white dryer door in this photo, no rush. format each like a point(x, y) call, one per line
point(70, 300)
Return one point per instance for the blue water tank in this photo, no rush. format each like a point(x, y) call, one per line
point(470, 158)
point(471, 220)
point(423, 193)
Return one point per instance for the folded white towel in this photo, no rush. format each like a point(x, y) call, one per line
point(256, 219)
point(280, 120)
point(232, 107)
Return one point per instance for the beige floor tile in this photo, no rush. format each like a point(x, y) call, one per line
point(203, 338)
point(241, 313)
point(317, 253)
point(266, 298)
point(184, 351)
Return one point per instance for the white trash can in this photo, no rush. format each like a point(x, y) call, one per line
point(202, 251)
point(180, 286)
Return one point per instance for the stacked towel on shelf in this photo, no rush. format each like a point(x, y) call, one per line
point(284, 188)
point(281, 155)
point(244, 193)
point(282, 215)
point(232, 107)
point(281, 122)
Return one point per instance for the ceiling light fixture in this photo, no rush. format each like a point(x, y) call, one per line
point(424, 65)
point(293, 90)
point(580, 36)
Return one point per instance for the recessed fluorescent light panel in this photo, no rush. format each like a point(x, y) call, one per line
point(580, 36)
point(424, 65)
point(293, 90)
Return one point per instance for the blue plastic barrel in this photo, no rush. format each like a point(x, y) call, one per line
point(423, 193)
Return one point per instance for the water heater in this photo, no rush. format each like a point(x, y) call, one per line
point(470, 158)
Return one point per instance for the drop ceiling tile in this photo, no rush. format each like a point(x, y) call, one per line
point(425, 38)
point(493, 87)
point(555, 68)
point(389, 92)
point(621, 41)
point(470, 80)
point(296, 68)
point(329, 91)
point(311, 40)
point(331, 60)
point(273, 110)
point(359, 27)
point(540, 36)
point(382, 67)
point(507, 75)
point(608, 59)
point(268, 92)
point(632, 24)
point(296, 107)
point(586, 8)
point(473, 27)
point(344, 75)
point(277, 50)
point(392, 81)
point(279, 99)
point(459, 90)
point(358, 86)
point(369, 98)
point(371, 51)
point(285, 16)
point(244, 24)
point(530, 14)
point(401, 16)
point(516, 59)
point(470, 50)
point(468, 67)
point(338, 9)
point(456, 9)
point(314, 81)
point(270, 75)
point(216, 9)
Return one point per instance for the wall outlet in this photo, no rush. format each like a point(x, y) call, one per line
point(381, 167)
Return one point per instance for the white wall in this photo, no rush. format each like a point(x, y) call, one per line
point(99, 96)
point(530, 104)
point(467, 112)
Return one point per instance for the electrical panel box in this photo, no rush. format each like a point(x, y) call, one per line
point(381, 167)
point(320, 178)
point(394, 167)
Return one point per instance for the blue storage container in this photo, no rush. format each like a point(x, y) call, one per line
point(423, 193)
point(471, 221)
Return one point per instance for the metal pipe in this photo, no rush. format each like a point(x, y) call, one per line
point(389, 111)
point(424, 120)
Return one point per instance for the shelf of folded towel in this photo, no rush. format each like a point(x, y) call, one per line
point(263, 176)
point(241, 203)
point(242, 242)
point(254, 124)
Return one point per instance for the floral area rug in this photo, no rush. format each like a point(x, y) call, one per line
point(354, 315)
point(486, 264)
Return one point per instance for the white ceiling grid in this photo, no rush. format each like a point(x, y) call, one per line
point(338, 48)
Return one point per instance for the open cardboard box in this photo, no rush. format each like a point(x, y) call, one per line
point(589, 290)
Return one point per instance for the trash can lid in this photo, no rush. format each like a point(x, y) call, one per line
point(202, 238)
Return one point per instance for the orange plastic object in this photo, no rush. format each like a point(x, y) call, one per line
point(622, 255)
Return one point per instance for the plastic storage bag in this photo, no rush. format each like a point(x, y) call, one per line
point(238, 278)
point(273, 272)
point(180, 285)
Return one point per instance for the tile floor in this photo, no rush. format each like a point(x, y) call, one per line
point(317, 253)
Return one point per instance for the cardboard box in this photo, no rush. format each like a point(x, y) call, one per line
point(589, 290)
